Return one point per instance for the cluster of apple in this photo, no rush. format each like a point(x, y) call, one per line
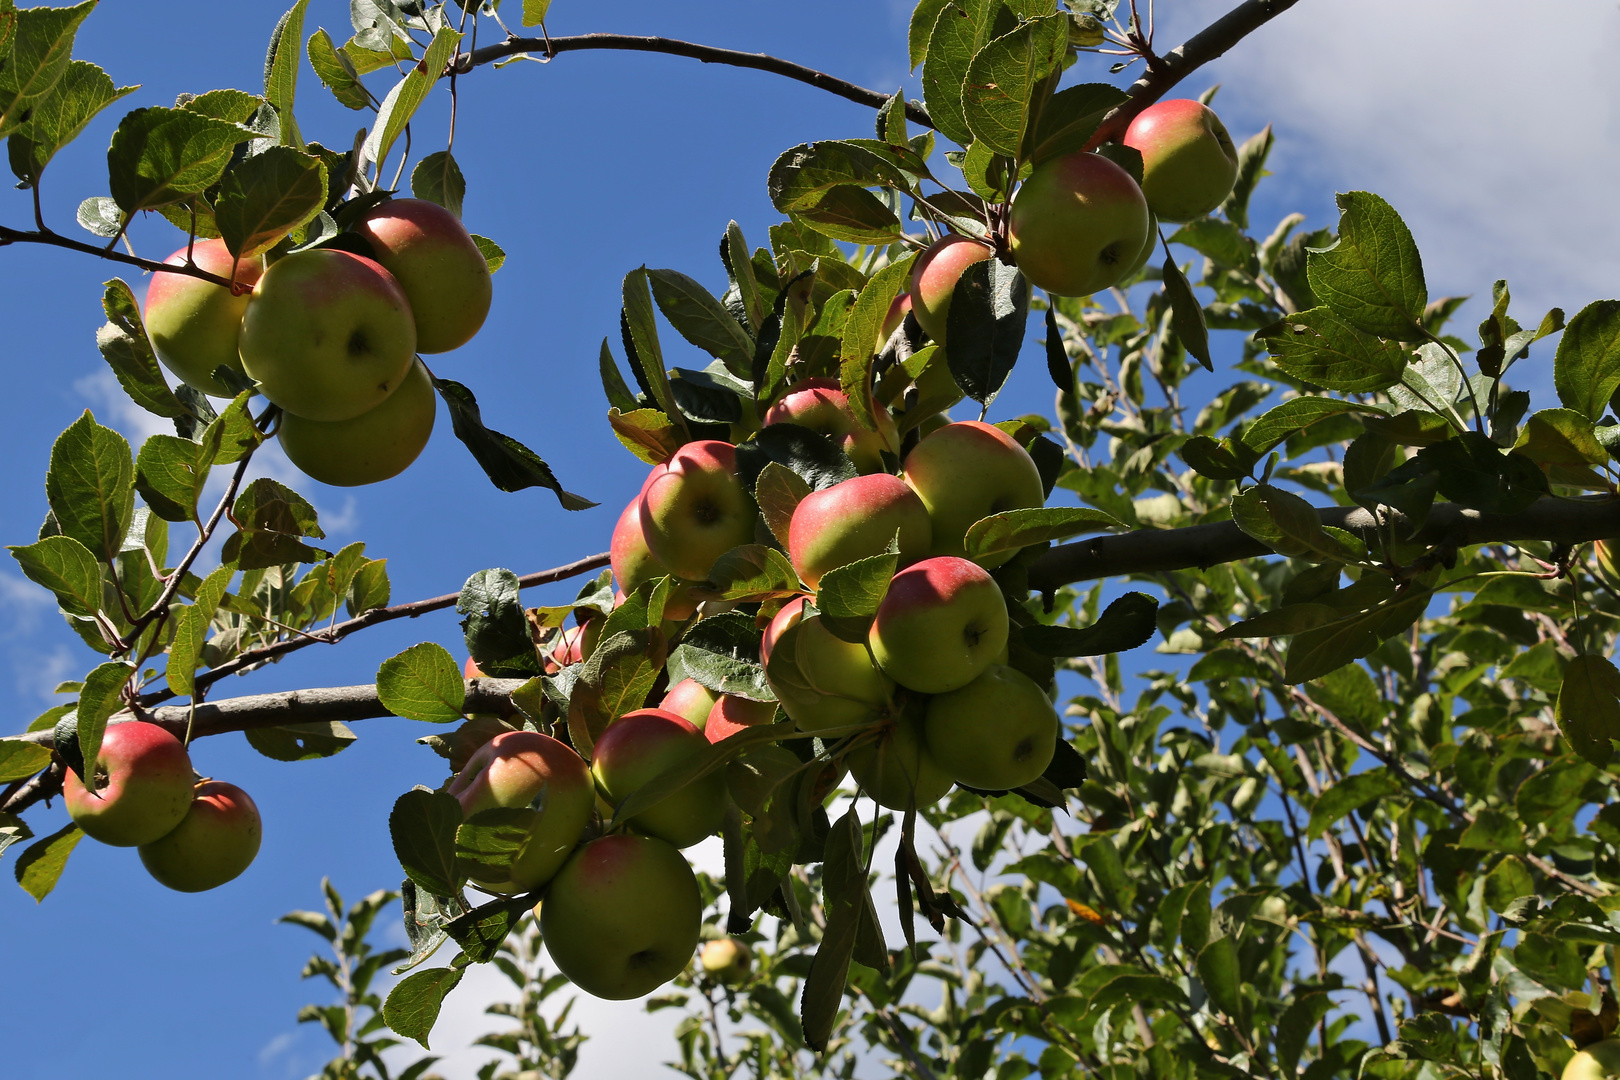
point(192, 834)
point(331, 336)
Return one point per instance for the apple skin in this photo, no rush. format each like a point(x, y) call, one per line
point(1077, 224)
point(1597, 1061)
point(996, 733)
point(820, 681)
point(516, 769)
point(892, 320)
point(1189, 163)
point(377, 445)
point(732, 714)
point(622, 917)
point(898, 770)
point(941, 623)
point(690, 700)
point(933, 280)
point(855, 519)
point(822, 406)
point(194, 324)
point(471, 670)
point(694, 509)
point(1147, 248)
point(328, 335)
point(633, 564)
point(437, 264)
point(640, 746)
point(218, 839)
point(148, 791)
point(726, 960)
point(967, 471)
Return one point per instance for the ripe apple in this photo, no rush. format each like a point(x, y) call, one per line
point(694, 509)
point(967, 471)
point(942, 622)
point(377, 445)
point(471, 670)
point(632, 563)
point(1188, 161)
point(732, 714)
point(194, 324)
point(934, 276)
point(545, 778)
point(898, 770)
point(1596, 1061)
point(435, 261)
point(821, 406)
point(217, 840)
point(1077, 224)
point(622, 917)
point(726, 960)
point(144, 786)
point(639, 747)
point(328, 335)
point(892, 320)
point(853, 520)
point(690, 700)
point(821, 681)
point(996, 733)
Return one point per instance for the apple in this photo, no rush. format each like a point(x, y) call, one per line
point(934, 276)
point(898, 770)
point(726, 960)
point(892, 320)
point(690, 700)
point(328, 335)
point(855, 519)
point(639, 747)
point(694, 509)
point(143, 786)
point(217, 840)
point(1077, 224)
point(574, 644)
point(821, 681)
point(942, 622)
point(1596, 1061)
point(633, 564)
point(434, 259)
point(377, 445)
point(823, 407)
point(967, 471)
point(548, 781)
point(622, 917)
point(194, 324)
point(1188, 161)
point(1147, 249)
point(996, 733)
point(732, 714)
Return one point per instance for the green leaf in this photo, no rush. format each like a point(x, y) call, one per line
point(1287, 524)
point(1004, 76)
point(267, 197)
point(281, 71)
point(437, 178)
point(1319, 347)
point(422, 683)
point(534, 11)
point(852, 593)
point(98, 700)
point(615, 680)
point(423, 827)
point(722, 653)
point(334, 68)
point(13, 829)
point(749, 574)
point(646, 433)
point(1586, 367)
point(509, 464)
point(1555, 789)
point(1588, 708)
point(90, 486)
point(1561, 437)
point(370, 589)
point(487, 844)
point(859, 342)
point(159, 156)
point(1123, 625)
point(124, 345)
point(960, 31)
point(66, 567)
point(191, 630)
point(1372, 275)
point(480, 931)
point(923, 17)
point(494, 255)
point(301, 742)
point(1011, 530)
point(1279, 424)
point(824, 185)
point(778, 492)
point(406, 97)
point(41, 46)
point(1477, 473)
point(41, 863)
point(699, 318)
point(844, 887)
point(20, 760)
point(986, 324)
point(1068, 121)
point(1315, 652)
point(1186, 314)
point(1297, 1025)
point(413, 1004)
point(694, 768)
point(1221, 974)
point(1351, 794)
point(170, 477)
point(60, 117)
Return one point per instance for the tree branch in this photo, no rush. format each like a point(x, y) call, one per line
point(708, 54)
point(9, 235)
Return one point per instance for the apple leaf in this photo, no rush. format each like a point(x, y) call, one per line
point(986, 327)
point(1314, 653)
point(961, 29)
point(413, 1004)
point(159, 156)
point(20, 760)
point(722, 653)
point(1004, 77)
point(1067, 121)
point(1186, 313)
point(425, 917)
point(1218, 970)
point(437, 178)
point(615, 680)
point(1588, 709)
point(1297, 1026)
point(40, 865)
point(301, 742)
point(1277, 425)
point(1123, 625)
point(859, 342)
point(1350, 795)
point(494, 255)
point(494, 626)
point(1320, 347)
point(534, 11)
point(170, 473)
point(13, 829)
point(334, 68)
point(921, 28)
point(749, 574)
point(1372, 275)
point(848, 596)
point(480, 931)
point(509, 464)
point(1287, 524)
point(41, 48)
point(423, 827)
point(488, 842)
point(66, 567)
point(778, 491)
point(370, 589)
point(268, 196)
point(124, 345)
point(1251, 167)
point(701, 319)
point(78, 96)
point(694, 768)
point(98, 700)
point(405, 98)
point(843, 889)
point(100, 216)
point(89, 486)
point(823, 185)
point(646, 433)
point(281, 71)
point(422, 683)
point(1586, 366)
point(1561, 437)
point(1011, 530)
point(814, 457)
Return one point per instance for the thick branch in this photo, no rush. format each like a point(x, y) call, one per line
point(52, 239)
point(1206, 45)
point(708, 54)
point(1145, 551)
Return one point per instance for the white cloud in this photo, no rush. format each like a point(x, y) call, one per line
point(115, 409)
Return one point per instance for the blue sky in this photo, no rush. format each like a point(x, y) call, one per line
point(582, 170)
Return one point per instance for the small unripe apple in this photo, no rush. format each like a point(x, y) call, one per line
point(545, 778)
point(856, 519)
point(933, 280)
point(637, 749)
point(1077, 224)
point(143, 786)
point(1188, 161)
point(996, 733)
point(633, 563)
point(732, 714)
point(942, 622)
point(967, 471)
point(436, 262)
point(328, 335)
point(194, 324)
point(623, 916)
point(726, 960)
point(820, 681)
point(822, 406)
point(1596, 1061)
point(217, 840)
point(690, 700)
point(694, 509)
point(898, 770)
point(377, 445)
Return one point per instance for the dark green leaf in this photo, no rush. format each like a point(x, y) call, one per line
point(301, 742)
point(170, 473)
point(1219, 971)
point(1314, 653)
point(82, 92)
point(40, 865)
point(961, 29)
point(1320, 347)
point(1011, 530)
point(1291, 417)
point(159, 156)
point(1297, 1025)
point(722, 653)
point(509, 464)
point(1588, 708)
point(1351, 794)
point(1586, 367)
point(844, 887)
point(281, 71)
point(701, 319)
point(861, 329)
point(1067, 122)
point(267, 197)
point(1123, 625)
point(124, 345)
point(66, 567)
point(1186, 313)
point(413, 1004)
point(986, 325)
point(749, 574)
point(90, 486)
point(813, 456)
point(423, 827)
point(1003, 77)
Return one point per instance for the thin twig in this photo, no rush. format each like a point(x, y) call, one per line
point(9, 235)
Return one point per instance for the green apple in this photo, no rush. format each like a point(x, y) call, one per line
point(633, 564)
point(996, 733)
point(942, 622)
point(726, 960)
point(934, 276)
point(143, 783)
point(690, 700)
point(328, 335)
point(897, 770)
point(732, 714)
point(622, 917)
point(892, 319)
point(821, 406)
point(637, 749)
point(1596, 1061)
point(1147, 249)
point(821, 681)
point(853, 520)
point(1188, 161)
point(436, 262)
point(548, 782)
point(967, 471)
point(694, 509)
point(194, 324)
point(377, 445)
point(1077, 224)
point(217, 840)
